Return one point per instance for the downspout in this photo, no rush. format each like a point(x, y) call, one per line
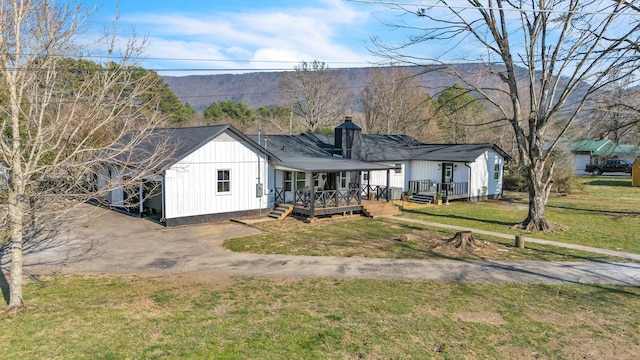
point(259, 176)
point(469, 183)
point(164, 207)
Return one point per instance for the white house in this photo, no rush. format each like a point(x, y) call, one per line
point(214, 173)
point(208, 173)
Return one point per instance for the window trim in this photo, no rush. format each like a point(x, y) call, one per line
point(223, 181)
point(496, 171)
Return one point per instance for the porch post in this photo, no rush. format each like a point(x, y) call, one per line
point(359, 192)
point(141, 198)
point(337, 187)
point(388, 181)
point(312, 208)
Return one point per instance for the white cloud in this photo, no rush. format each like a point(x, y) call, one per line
point(313, 31)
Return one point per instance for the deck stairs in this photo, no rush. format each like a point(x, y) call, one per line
point(422, 199)
point(376, 209)
point(281, 211)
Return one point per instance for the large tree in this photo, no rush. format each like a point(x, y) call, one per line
point(57, 115)
point(550, 56)
point(395, 103)
point(457, 112)
point(317, 94)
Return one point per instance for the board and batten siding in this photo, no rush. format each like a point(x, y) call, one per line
point(396, 179)
point(482, 175)
point(191, 187)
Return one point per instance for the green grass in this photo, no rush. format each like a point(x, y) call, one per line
point(605, 214)
point(379, 238)
point(256, 318)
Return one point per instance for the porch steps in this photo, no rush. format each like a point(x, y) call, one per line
point(374, 210)
point(422, 199)
point(281, 211)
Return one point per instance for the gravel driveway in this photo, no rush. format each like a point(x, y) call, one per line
point(109, 242)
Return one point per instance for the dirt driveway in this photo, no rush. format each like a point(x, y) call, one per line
point(108, 242)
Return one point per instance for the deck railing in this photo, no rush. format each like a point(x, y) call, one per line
point(371, 192)
point(326, 198)
point(454, 188)
point(418, 186)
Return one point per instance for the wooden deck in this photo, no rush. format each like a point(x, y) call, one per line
point(370, 208)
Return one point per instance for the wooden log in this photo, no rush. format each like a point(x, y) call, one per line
point(520, 241)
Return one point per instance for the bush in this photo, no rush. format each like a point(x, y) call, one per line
point(564, 180)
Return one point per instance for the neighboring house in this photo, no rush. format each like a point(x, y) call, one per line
point(216, 173)
point(590, 151)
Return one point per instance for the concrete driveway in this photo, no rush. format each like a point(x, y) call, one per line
point(109, 242)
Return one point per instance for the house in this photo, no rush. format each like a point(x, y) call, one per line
point(216, 173)
point(591, 151)
point(205, 174)
point(460, 171)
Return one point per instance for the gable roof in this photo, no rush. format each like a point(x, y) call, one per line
point(602, 147)
point(170, 145)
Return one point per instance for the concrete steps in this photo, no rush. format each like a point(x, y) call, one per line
point(374, 210)
point(281, 211)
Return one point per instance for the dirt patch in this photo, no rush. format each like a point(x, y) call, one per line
point(485, 317)
point(210, 280)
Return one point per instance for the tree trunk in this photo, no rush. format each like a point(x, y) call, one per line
point(463, 240)
point(539, 190)
point(16, 210)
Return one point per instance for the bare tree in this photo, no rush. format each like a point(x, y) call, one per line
point(318, 94)
point(394, 102)
point(559, 51)
point(57, 131)
point(615, 114)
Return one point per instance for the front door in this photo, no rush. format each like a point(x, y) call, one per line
point(447, 178)
point(447, 173)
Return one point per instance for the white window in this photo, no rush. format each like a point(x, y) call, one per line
point(301, 181)
point(343, 179)
point(224, 180)
point(496, 172)
point(288, 180)
point(365, 176)
point(398, 169)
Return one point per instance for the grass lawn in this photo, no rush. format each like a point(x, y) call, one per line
point(605, 214)
point(381, 238)
point(270, 318)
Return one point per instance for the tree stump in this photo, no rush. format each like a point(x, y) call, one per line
point(463, 240)
point(520, 241)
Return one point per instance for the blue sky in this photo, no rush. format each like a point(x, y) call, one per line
point(249, 34)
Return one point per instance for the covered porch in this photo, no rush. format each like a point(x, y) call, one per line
point(323, 186)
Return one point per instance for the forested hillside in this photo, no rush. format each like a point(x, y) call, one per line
point(261, 89)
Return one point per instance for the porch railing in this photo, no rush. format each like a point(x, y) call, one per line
point(326, 198)
point(371, 192)
point(418, 186)
point(454, 188)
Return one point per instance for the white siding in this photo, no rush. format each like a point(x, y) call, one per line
point(191, 184)
point(580, 161)
point(395, 179)
point(425, 170)
point(482, 175)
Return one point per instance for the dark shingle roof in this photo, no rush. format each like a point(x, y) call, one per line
point(170, 145)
